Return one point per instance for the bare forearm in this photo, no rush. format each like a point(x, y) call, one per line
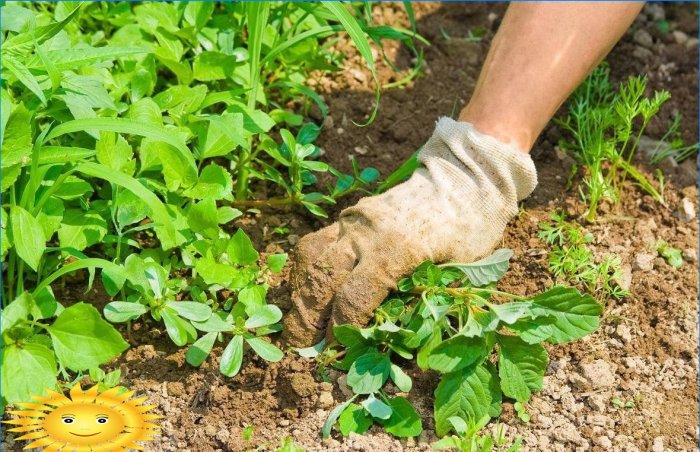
point(541, 52)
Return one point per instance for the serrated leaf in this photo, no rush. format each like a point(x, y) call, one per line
point(510, 312)
point(521, 367)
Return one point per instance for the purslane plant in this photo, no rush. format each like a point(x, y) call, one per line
point(486, 345)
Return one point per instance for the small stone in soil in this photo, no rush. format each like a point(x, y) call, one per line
point(293, 239)
point(690, 254)
point(598, 402)
point(643, 38)
point(598, 373)
point(680, 37)
point(643, 262)
point(658, 445)
point(686, 210)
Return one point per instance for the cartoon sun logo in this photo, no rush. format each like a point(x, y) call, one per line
point(87, 421)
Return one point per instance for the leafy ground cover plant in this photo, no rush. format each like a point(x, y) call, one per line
point(604, 127)
point(129, 132)
point(673, 256)
point(571, 260)
point(485, 344)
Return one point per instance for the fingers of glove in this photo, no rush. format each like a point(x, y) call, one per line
point(359, 296)
point(316, 283)
point(308, 250)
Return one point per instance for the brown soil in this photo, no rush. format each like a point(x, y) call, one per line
point(648, 341)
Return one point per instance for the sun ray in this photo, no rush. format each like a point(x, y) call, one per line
point(86, 421)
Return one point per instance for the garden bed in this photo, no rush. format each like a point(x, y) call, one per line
point(645, 351)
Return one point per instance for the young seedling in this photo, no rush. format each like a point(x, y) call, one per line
point(469, 439)
point(485, 343)
point(604, 128)
point(571, 260)
point(673, 256)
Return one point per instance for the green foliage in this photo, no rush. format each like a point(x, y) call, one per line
point(469, 439)
point(451, 319)
point(572, 261)
point(604, 127)
point(672, 145)
point(130, 134)
point(673, 256)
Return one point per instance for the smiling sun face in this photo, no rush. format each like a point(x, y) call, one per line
point(88, 420)
point(84, 424)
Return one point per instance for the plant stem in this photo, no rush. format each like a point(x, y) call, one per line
point(272, 202)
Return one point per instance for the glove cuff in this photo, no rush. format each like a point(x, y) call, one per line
point(500, 173)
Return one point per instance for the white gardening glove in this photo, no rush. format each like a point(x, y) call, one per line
point(454, 209)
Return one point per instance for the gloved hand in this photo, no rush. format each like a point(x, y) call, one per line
point(455, 209)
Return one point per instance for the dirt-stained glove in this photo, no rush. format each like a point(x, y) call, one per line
point(455, 209)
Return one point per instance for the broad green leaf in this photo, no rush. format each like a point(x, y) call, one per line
point(400, 379)
point(253, 298)
point(521, 367)
point(83, 340)
point(276, 262)
point(376, 408)
point(241, 250)
point(27, 236)
point(213, 272)
point(226, 214)
point(480, 322)
point(73, 187)
point(369, 372)
point(114, 152)
point(457, 353)
point(159, 214)
point(26, 371)
point(214, 182)
point(203, 219)
point(232, 357)
point(312, 351)
point(127, 126)
point(199, 351)
point(17, 136)
point(510, 312)
point(264, 316)
point(487, 270)
point(81, 229)
point(423, 356)
point(576, 315)
point(130, 208)
point(468, 393)
point(354, 419)
point(191, 310)
point(404, 421)
point(264, 349)
point(179, 330)
point(218, 322)
point(50, 216)
point(19, 309)
point(534, 331)
point(210, 66)
point(123, 311)
point(222, 136)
